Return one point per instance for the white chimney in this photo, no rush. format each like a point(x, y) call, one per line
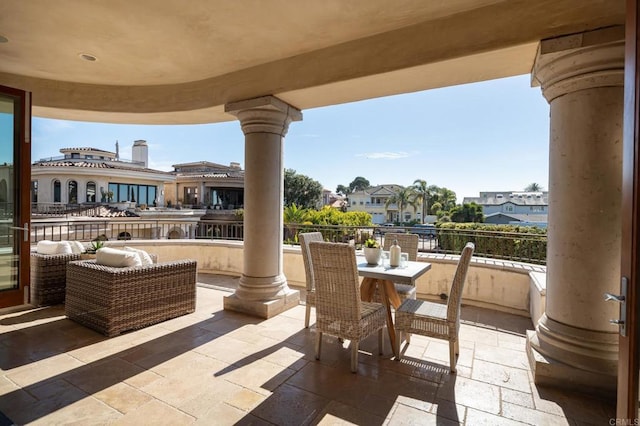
point(140, 152)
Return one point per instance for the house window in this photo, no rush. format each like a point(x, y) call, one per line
point(57, 198)
point(73, 192)
point(91, 192)
point(34, 191)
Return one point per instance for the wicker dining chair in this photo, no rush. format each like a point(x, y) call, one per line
point(408, 244)
point(339, 310)
point(435, 319)
point(305, 239)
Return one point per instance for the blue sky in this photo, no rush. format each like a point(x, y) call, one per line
point(489, 136)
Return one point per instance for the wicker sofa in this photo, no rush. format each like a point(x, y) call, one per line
point(49, 277)
point(112, 300)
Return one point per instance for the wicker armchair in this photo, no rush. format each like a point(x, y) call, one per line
point(339, 310)
point(409, 245)
point(305, 239)
point(435, 319)
point(112, 300)
point(49, 277)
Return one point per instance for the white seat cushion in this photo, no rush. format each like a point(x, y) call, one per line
point(108, 256)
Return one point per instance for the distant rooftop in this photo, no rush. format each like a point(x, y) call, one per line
point(539, 198)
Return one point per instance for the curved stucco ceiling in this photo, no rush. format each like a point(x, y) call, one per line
point(169, 61)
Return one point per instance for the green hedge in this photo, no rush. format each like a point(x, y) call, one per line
point(523, 243)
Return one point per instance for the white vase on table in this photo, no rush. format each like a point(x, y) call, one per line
point(372, 254)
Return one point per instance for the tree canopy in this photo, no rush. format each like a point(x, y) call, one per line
point(357, 184)
point(468, 212)
point(533, 187)
point(301, 190)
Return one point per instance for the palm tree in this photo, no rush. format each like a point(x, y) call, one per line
point(403, 198)
point(447, 199)
point(421, 195)
point(533, 187)
point(292, 217)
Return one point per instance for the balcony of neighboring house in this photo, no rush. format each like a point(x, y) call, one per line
point(217, 366)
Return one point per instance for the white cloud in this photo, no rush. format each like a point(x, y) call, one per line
point(384, 155)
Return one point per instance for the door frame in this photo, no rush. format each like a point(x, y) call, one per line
point(21, 193)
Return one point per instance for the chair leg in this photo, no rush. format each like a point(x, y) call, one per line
point(457, 347)
point(452, 356)
point(318, 344)
point(381, 341)
point(398, 344)
point(354, 355)
point(307, 316)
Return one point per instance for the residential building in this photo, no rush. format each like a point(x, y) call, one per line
point(206, 184)
point(88, 175)
point(503, 207)
point(372, 200)
point(333, 200)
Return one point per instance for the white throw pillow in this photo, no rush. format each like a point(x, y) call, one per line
point(108, 256)
point(64, 248)
point(53, 247)
point(145, 259)
point(47, 247)
point(77, 247)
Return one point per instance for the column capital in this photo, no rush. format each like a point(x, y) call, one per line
point(580, 61)
point(266, 114)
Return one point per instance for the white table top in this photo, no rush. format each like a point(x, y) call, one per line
point(405, 275)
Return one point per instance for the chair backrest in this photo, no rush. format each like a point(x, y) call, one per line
point(455, 294)
point(407, 242)
point(335, 273)
point(305, 239)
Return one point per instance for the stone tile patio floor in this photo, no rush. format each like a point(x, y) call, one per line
point(217, 367)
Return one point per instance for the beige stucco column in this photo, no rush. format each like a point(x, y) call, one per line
point(263, 289)
point(574, 344)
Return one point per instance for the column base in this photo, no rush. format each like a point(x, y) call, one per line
point(551, 372)
point(262, 308)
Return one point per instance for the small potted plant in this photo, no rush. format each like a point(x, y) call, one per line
point(372, 251)
point(92, 249)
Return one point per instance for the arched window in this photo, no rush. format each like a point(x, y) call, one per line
point(91, 192)
point(73, 192)
point(3, 192)
point(56, 191)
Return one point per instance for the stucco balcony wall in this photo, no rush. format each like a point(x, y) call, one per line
point(494, 284)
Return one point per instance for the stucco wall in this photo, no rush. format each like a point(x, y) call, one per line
point(497, 285)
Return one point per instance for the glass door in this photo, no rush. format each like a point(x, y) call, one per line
point(15, 184)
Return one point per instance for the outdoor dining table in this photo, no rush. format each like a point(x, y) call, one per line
point(385, 276)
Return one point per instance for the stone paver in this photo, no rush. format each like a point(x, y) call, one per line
point(217, 367)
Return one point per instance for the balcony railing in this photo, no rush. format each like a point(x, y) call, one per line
point(523, 247)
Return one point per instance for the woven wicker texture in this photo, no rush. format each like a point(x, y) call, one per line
point(49, 277)
point(305, 239)
point(112, 300)
point(408, 244)
point(339, 310)
point(434, 319)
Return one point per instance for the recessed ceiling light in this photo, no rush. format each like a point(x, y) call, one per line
point(3, 39)
point(88, 57)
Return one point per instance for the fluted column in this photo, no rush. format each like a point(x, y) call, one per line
point(263, 289)
point(574, 344)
